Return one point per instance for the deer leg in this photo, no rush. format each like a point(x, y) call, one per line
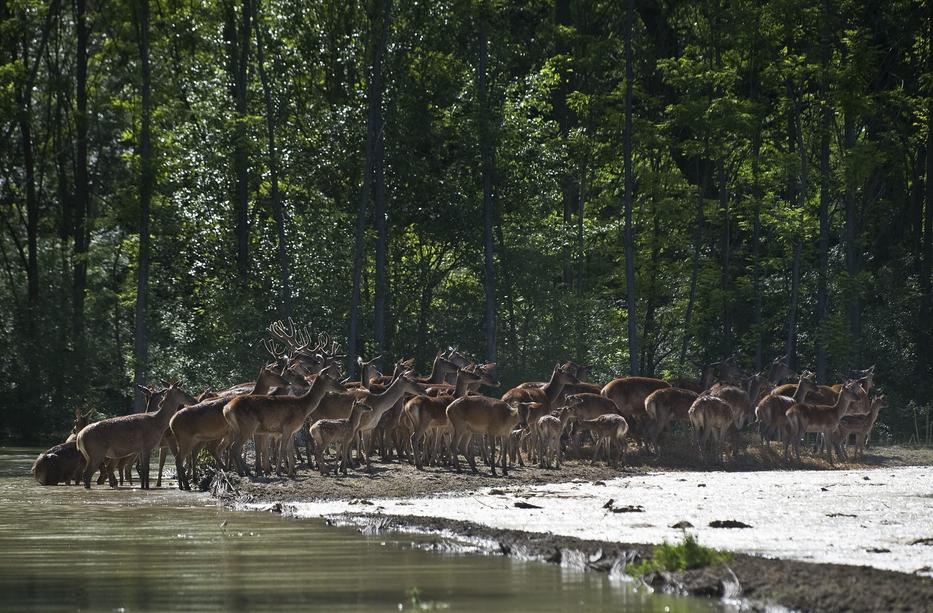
point(163, 454)
point(416, 446)
point(470, 451)
point(181, 452)
point(492, 455)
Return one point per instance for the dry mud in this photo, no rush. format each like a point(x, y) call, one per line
point(818, 539)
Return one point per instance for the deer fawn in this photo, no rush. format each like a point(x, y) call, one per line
point(609, 429)
point(340, 431)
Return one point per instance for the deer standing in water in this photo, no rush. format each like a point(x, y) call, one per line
point(136, 434)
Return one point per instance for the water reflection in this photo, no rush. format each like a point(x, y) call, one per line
point(66, 548)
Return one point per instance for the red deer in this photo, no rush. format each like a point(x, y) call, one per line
point(629, 394)
point(486, 416)
point(425, 413)
point(710, 417)
point(339, 405)
point(276, 416)
point(823, 418)
point(61, 464)
point(859, 425)
point(136, 434)
point(545, 398)
point(666, 405)
point(587, 406)
point(770, 413)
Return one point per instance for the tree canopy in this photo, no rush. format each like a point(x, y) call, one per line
point(412, 175)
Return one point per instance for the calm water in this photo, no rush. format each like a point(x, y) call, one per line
point(64, 548)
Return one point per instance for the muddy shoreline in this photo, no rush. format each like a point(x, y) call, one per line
point(758, 583)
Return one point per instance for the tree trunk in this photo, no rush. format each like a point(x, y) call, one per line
point(852, 246)
point(726, 257)
point(796, 139)
point(756, 255)
point(565, 120)
point(278, 209)
point(822, 296)
point(369, 151)
point(146, 187)
point(629, 188)
point(488, 169)
point(695, 268)
point(379, 199)
point(32, 202)
point(238, 36)
point(82, 188)
point(926, 265)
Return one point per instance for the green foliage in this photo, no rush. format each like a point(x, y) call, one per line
point(738, 87)
point(686, 555)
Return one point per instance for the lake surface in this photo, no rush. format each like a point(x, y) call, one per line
point(65, 549)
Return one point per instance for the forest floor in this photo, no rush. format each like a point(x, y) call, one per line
point(855, 537)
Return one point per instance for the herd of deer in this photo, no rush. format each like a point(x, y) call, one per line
point(436, 418)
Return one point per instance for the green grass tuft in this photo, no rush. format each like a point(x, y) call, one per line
point(682, 556)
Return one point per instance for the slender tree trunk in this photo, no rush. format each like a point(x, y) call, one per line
point(926, 266)
point(794, 300)
point(826, 118)
point(756, 256)
point(379, 198)
point(726, 257)
point(796, 133)
point(695, 267)
point(581, 312)
point(82, 188)
point(565, 120)
point(822, 297)
point(629, 189)
point(852, 243)
point(369, 152)
point(488, 169)
point(649, 341)
point(146, 187)
point(238, 36)
point(278, 209)
point(507, 287)
point(32, 202)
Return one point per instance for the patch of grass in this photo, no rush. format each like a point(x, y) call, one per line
point(682, 556)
